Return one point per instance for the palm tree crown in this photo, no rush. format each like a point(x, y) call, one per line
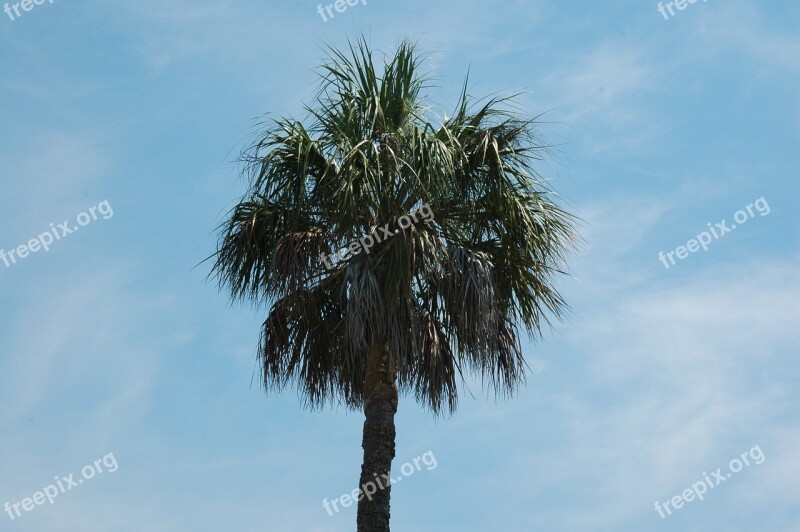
point(446, 295)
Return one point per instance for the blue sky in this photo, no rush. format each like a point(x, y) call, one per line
point(114, 343)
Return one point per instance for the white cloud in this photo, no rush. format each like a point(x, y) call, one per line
point(68, 333)
point(601, 83)
point(741, 26)
point(605, 95)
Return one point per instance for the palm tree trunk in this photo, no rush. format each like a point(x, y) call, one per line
point(380, 406)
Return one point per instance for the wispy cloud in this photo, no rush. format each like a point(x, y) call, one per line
point(742, 27)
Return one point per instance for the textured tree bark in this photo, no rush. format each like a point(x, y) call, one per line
point(378, 442)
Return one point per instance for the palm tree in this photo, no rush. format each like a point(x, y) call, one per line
point(439, 294)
